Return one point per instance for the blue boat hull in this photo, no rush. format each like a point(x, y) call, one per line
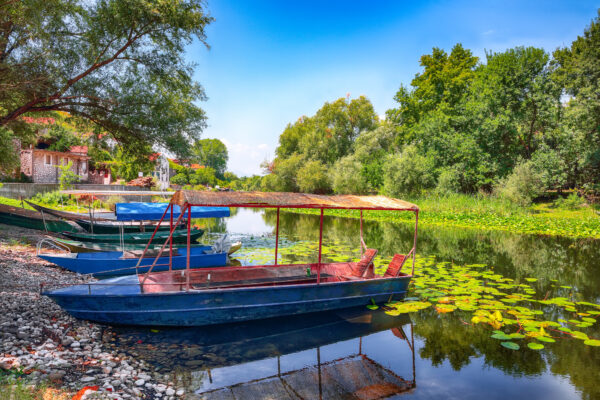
point(119, 301)
point(109, 263)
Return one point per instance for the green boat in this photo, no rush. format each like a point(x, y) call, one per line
point(24, 218)
point(179, 236)
point(91, 247)
point(115, 227)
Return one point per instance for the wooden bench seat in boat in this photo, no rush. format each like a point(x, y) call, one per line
point(363, 269)
point(393, 270)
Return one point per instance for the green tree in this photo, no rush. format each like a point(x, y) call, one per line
point(442, 85)
point(577, 69)
point(313, 178)
point(347, 176)
point(211, 153)
point(513, 103)
point(67, 177)
point(117, 63)
point(522, 185)
point(408, 173)
point(127, 164)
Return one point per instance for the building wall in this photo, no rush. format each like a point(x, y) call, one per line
point(45, 166)
point(26, 162)
point(99, 177)
point(42, 172)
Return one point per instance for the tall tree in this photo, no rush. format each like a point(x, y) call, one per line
point(577, 69)
point(117, 63)
point(211, 153)
point(441, 86)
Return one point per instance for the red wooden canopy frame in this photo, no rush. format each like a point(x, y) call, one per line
point(277, 201)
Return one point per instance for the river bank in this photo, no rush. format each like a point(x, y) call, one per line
point(489, 214)
point(42, 346)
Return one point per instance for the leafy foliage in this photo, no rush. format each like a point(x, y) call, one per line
point(118, 64)
point(210, 153)
point(408, 173)
point(67, 177)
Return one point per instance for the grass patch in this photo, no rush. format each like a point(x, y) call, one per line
point(488, 213)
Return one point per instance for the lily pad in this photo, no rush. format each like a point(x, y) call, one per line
point(535, 346)
point(592, 342)
point(501, 336)
point(510, 345)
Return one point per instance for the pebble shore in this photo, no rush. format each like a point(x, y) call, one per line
point(42, 344)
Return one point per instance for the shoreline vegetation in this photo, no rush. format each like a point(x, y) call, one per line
point(461, 211)
point(487, 213)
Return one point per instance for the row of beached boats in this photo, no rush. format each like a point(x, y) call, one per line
point(163, 284)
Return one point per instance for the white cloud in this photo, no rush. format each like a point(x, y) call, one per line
point(245, 159)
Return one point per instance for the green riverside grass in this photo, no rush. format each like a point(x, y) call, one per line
point(488, 214)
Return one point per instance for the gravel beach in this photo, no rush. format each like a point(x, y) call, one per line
point(42, 344)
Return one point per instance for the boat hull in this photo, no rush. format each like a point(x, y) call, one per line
point(119, 301)
point(108, 228)
point(35, 223)
point(92, 247)
point(179, 236)
point(105, 264)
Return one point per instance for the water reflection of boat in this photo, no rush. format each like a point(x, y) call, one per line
point(210, 348)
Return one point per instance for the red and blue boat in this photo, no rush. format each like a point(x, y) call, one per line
point(208, 296)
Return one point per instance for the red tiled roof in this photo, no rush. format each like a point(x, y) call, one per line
point(79, 149)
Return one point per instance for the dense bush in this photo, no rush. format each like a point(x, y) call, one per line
point(522, 185)
point(448, 181)
point(347, 177)
point(313, 178)
point(571, 202)
point(408, 173)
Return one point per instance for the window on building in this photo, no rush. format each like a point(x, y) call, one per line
point(48, 159)
point(83, 167)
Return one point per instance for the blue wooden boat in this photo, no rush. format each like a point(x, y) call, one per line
point(207, 296)
point(178, 236)
point(115, 263)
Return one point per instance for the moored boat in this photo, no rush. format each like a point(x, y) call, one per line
point(113, 227)
point(75, 246)
point(71, 216)
point(115, 263)
point(178, 236)
point(197, 297)
point(24, 218)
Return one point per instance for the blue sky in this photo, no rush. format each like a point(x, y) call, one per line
point(271, 62)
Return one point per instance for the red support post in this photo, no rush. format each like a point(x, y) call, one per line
point(320, 246)
point(277, 236)
point(187, 263)
point(414, 255)
point(152, 237)
point(171, 243)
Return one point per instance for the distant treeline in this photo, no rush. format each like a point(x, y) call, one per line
point(518, 123)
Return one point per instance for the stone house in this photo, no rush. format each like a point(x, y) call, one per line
point(41, 165)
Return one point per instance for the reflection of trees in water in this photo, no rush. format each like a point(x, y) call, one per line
point(570, 261)
point(446, 337)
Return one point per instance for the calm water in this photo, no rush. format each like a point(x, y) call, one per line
point(359, 353)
